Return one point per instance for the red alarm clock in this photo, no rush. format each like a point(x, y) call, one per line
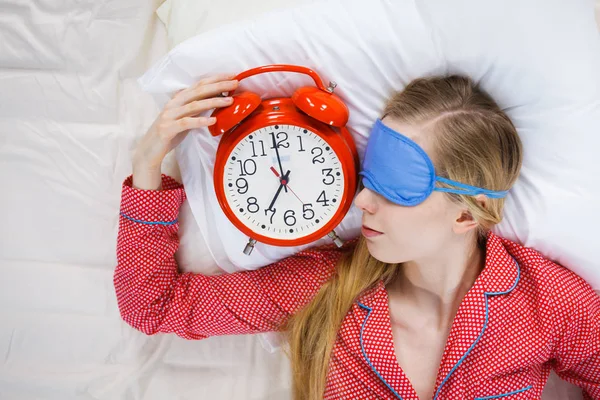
point(286, 169)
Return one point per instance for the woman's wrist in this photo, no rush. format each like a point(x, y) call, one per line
point(147, 176)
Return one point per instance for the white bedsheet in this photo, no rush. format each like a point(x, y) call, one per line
point(70, 112)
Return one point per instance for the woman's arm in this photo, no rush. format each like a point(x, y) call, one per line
point(154, 297)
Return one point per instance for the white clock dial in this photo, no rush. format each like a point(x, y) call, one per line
point(252, 180)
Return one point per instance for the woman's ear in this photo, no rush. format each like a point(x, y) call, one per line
point(464, 221)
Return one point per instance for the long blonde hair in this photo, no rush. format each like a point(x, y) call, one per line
point(475, 143)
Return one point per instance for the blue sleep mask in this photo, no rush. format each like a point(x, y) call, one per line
point(398, 169)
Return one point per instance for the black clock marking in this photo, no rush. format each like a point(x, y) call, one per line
point(327, 172)
point(318, 158)
point(281, 138)
point(242, 185)
point(248, 167)
point(262, 148)
point(323, 199)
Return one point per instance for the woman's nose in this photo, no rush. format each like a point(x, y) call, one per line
point(366, 201)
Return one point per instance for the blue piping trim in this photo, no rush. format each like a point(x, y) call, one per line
point(365, 353)
point(505, 394)
point(482, 330)
point(149, 223)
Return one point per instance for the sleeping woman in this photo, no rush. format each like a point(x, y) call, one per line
point(427, 303)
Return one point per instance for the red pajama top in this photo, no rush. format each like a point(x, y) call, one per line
point(523, 316)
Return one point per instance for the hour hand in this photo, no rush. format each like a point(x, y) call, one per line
point(282, 180)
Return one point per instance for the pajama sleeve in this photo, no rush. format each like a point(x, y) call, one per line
point(577, 353)
point(153, 296)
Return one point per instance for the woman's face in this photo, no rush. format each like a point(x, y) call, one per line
point(409, 233)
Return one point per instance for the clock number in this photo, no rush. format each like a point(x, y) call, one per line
point(318, 158)
point(243, 186)
point(262, 144)
point(301, 148)
point(306, 209)
point(280, 143)
point(289, 216)
point(273, 211)
point(328, 174)
point(323, 199)
point(244, 167)
point(253, 206)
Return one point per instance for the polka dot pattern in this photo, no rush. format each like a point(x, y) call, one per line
point(523, 316)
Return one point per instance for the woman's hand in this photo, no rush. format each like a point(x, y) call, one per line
point(174, 122)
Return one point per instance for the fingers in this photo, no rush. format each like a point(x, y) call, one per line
point(173, 128)
point(181, 112)
point(202, 91)
point(214, 79)
point(197, 107)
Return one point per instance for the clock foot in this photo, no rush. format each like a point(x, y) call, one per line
point(249, 247)
point(336, 239)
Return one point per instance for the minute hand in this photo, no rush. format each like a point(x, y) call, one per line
point(278, 158)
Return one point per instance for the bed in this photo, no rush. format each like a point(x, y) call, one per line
point(70, 114)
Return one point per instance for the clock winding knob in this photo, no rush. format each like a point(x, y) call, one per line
point(336, 239)
point(249, 247)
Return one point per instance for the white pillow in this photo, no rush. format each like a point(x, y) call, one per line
point(539, 59)
point(186, 18)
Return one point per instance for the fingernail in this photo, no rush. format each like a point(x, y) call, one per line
point(228, 99)
point(212, 120)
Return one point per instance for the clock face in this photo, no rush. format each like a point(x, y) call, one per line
point(261, 162)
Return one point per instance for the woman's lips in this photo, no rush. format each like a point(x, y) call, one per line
point(368, 232)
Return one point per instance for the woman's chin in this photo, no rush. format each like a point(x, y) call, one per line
point(391, 256)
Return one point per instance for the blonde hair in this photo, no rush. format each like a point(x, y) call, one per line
point(475, 143)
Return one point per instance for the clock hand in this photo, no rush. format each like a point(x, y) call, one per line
point(286, 184)
point(275, 172)
point(281, 185)
point(295, 194)
point(278, 158)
